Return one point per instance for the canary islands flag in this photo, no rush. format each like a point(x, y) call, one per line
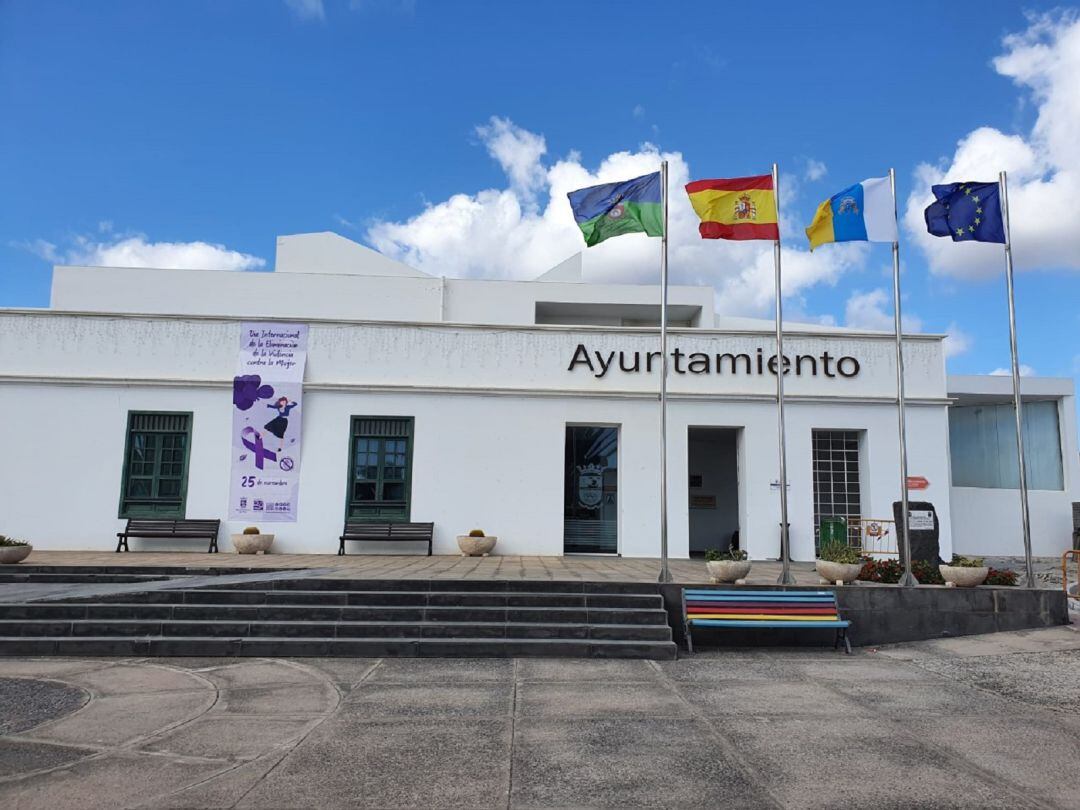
point(735, 208)
point(864, 212)
point(612, 209)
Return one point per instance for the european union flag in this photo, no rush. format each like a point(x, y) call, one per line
point(968, 212)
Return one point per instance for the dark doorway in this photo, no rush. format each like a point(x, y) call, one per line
point(713, 455)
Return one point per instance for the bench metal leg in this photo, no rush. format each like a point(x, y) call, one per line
point(121, 543)
point(429, 547)
point(689, 638)
point(841, 635)
point(213, 546)
point(341, 547)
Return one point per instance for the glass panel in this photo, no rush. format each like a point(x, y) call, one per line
point(139, 487)
point(591, 502)
point(169, 488)
point(393, 492)
point(982, 446)
point(364, 491)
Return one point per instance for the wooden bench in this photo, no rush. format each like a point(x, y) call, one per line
point(792, 610)
point(169, 530)
point(387, 532)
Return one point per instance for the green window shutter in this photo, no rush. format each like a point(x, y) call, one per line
point(380, 469)
point(156, 454)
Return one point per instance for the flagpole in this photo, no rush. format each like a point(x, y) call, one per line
point(907, 579)
point(1025, 516)
point(786, 577)
point(665, 572)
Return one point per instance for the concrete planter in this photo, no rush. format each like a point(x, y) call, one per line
point(252, 543)
point(9, 555)
point(963, 577)
point(727, 570)
point(833, 572)
point(476, 546)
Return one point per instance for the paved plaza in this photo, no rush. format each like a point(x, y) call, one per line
point(982, 721)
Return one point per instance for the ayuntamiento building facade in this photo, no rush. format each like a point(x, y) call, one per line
point(527, 409)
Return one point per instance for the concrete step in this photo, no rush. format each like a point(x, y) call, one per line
point(329, 613)
point(345, 647)
point(307, 629)
point(264, 596)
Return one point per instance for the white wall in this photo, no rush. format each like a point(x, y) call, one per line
point(490, 404)
point(492, 461)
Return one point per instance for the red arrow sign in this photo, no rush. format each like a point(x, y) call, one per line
point(917, 482)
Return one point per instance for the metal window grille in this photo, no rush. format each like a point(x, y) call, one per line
point(837, 491)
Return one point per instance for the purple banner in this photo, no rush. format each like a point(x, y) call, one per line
point(267, 413)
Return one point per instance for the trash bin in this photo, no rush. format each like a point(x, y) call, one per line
point(832, 530)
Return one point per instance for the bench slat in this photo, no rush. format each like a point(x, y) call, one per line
point(734, 623)
point(758, 609)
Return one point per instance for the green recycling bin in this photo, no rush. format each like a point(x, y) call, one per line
point(833, 530)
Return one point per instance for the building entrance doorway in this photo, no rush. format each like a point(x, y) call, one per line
point(713, 454)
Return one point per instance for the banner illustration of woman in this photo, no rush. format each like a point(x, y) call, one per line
point(280, 423)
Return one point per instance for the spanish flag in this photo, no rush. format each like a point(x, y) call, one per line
point(736, 208)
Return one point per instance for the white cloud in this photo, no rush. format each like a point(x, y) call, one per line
point(521, 230)
point(1043, 164)
point(1025, 371)
point(957, 341)
point(517, 151)
point(873, 310)
point(135, 250)
point(307, 9)
point(638, 111)
point(815, 170)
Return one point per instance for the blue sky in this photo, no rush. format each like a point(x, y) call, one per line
point(446, 134)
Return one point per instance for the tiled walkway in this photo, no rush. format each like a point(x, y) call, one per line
point(357, 566)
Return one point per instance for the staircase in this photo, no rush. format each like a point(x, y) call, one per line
point(361, 618)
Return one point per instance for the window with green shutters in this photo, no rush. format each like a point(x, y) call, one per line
point(380, 468)
point(155, 465)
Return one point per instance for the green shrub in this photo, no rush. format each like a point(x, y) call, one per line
point(252, 530)
point(927, 572)
point(966, 562)
point(1001, 576)
point(11, 541)
point(477, 533)
point(886, 571)
point(839, 552)
point(732, 554)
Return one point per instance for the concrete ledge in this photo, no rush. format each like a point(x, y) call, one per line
point(889, 614)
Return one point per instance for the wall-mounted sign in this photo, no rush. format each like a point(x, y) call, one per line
point(695, 482)
point(917, 482)
point(919, 520)
point(702, 501)
point(727, 363)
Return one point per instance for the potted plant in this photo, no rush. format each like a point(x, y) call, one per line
point(964, 572)
point(838, 563)
point(476, 543)
point(13, 551)
point(727, 566)
point(252, 541)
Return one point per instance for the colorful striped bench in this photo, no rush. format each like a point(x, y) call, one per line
point(752, 609)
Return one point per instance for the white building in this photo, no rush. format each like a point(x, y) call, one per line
point(528, 409)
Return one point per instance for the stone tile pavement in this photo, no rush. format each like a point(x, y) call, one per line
point(986, 722)
point(397, 566)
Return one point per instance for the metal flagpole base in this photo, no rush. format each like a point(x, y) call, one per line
point(908, 580)
point(665, 574)
point(786, 577)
